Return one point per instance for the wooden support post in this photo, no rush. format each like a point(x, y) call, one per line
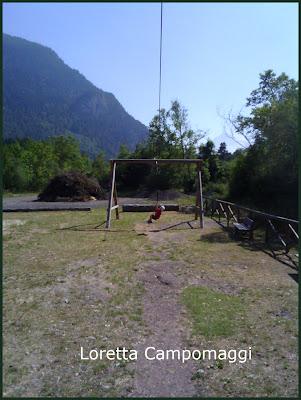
point(109, 210)
point(218, 208)
point(200, 196)
point(197, 198)
point(213, 208)
point(116, 200)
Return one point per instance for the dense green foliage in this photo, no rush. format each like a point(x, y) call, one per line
point(169, 137)
point(43, 97)
point(29, 164)
point(266, 174)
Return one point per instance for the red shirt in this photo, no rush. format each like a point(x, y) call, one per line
point(158, 212)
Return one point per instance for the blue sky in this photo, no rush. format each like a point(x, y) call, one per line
point(213, 53)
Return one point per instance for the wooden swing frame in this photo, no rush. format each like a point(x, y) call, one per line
point(199, 209)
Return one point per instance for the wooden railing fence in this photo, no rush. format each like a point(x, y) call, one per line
point(278, 229)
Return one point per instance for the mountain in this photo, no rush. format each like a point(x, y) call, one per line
point(42, 97)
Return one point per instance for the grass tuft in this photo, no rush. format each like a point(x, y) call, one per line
point(213, 313)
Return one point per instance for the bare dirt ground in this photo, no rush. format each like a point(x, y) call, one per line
point(163, 316)
point(68, 284)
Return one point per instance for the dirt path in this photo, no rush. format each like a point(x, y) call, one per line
point(164, 317)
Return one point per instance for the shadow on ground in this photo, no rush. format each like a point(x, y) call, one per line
point(275, 251)
point(216, 237)
point(182, 225)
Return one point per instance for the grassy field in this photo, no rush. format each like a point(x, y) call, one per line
point(69, 284)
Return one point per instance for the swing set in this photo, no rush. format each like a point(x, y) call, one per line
point(113, 198)
point(199, 211)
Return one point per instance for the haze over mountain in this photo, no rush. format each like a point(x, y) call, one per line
point(45, 97)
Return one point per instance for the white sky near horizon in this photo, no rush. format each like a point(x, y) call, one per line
point(213, 53)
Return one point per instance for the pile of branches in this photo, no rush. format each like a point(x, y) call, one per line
point(72, 186)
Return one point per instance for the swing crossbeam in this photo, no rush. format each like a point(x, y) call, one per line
point(155, 161)
point(113, 191)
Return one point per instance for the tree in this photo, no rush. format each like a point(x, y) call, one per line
point(184, 136)
point(208, 154)
point(223, 153)
point(101, 170)
point(170, 136)
point(207, 150)
point(272, 92)
point(29, 164)
point(270, 163)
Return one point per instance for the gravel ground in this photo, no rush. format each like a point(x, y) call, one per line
point(29, 203)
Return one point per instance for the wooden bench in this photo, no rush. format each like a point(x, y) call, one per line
point(244, 227)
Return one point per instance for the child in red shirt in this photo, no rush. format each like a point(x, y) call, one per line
point(157, 215)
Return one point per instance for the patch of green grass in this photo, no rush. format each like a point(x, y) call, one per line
point(135, 317)
point(213, 313)
point(187, 200)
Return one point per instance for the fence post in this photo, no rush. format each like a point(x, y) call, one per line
point(228, 216)
point(200, 196)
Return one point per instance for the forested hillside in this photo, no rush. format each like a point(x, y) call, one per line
point(264, 175)
point(44, 97)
